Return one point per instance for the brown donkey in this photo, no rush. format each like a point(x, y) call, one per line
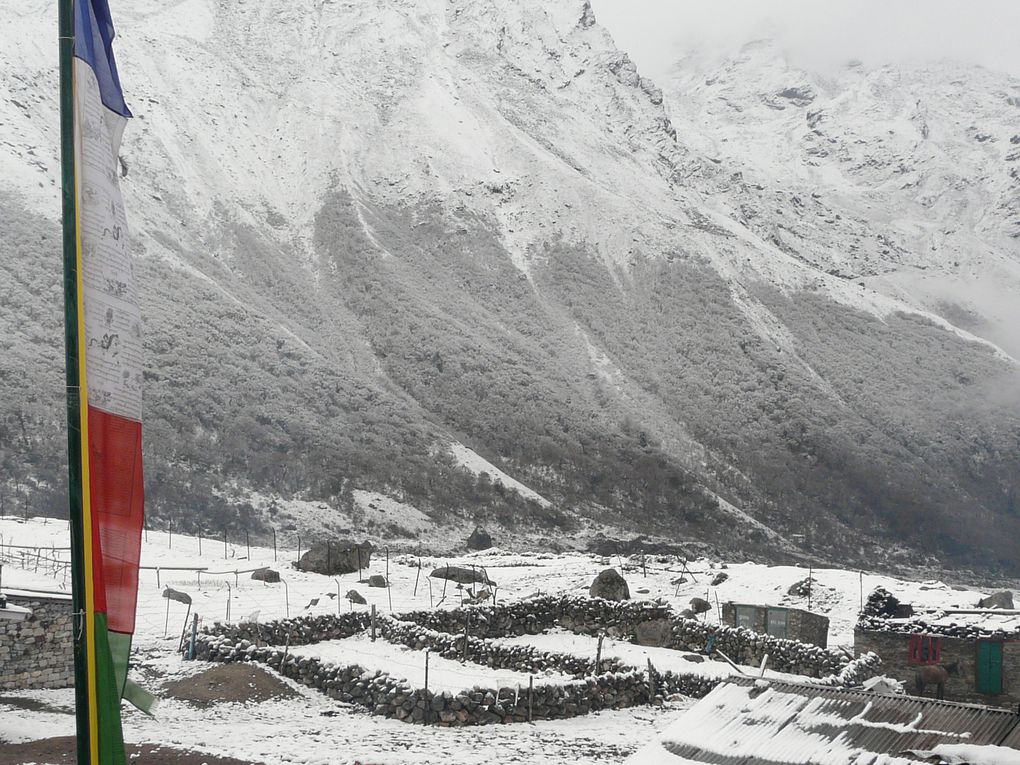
point(937, 675)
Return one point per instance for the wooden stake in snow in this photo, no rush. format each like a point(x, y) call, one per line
point(686, 571)
point(417, 575)
point(810, 574)
point(467, 622)
point(389, 592)
point(373, 622)
point(184, 629)
point(651, 682)
point(531, 693)
point(598, 656)
point(194, 637)
point(764, 661)
point(428, 704)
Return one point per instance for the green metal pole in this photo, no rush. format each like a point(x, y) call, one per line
point(71, 298)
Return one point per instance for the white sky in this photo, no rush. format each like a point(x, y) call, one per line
point(826, 32)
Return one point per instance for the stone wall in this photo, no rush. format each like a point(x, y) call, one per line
point(610, 685)
point(37, 652)
point(301, 630)
point(590, 616)
point(522, 658)
point(894, 648)
point(387, 696)
point(745, 646)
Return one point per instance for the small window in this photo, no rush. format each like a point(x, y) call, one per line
point(924, 649)
point(745, 616)
point(776, 622)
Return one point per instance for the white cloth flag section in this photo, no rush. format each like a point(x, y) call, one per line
point(113, 324)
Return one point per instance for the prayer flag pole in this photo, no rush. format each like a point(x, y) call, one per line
point(72, 378)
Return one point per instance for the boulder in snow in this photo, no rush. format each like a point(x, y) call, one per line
point(610, 585)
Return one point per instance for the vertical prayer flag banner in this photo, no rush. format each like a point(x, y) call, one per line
point(109, 367)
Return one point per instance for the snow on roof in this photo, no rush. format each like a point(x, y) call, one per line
point(768, 722)
point(29, 594)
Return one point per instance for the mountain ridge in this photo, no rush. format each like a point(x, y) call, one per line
point(367, 234)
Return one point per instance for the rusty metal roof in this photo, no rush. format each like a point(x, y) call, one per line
point(741, 724)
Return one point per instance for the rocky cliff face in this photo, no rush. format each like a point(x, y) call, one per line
point(904, 180)
point(370, 236)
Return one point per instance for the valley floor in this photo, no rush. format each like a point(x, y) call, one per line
point(300, 725)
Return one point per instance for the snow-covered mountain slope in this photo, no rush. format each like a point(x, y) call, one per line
point(902, 179)
point(367, 232)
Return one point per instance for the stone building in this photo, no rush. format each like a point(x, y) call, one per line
point(37, 652)
point(779, 621)
point(984, 644)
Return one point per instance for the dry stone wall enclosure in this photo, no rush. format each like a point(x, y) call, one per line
point(472, 633)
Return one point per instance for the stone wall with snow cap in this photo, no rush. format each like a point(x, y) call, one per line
point(37, 652)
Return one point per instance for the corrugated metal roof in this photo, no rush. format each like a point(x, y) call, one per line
point(1012, 739)
point(740, 724)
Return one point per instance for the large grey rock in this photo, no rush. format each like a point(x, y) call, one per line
point(268, 575)
point(610, 585)
point(479, 539)
point(355, 597)
point(654, 632)
point(461, 575)
point(376, 580)
point(1002, 599)
point(334, 557)
point(700, 606)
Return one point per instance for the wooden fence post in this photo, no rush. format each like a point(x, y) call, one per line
point(428, 704)
point(531, 693)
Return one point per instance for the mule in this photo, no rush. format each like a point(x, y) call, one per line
point(937, 675)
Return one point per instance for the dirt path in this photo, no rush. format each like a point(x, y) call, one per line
point(61, 751)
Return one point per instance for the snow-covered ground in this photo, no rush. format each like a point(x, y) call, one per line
point(312, 728)
point(399, 661)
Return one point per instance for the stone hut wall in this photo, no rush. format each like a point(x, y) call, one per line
point(37, 652)
point(802, 626)
point(893, 648)
point(808, 627)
